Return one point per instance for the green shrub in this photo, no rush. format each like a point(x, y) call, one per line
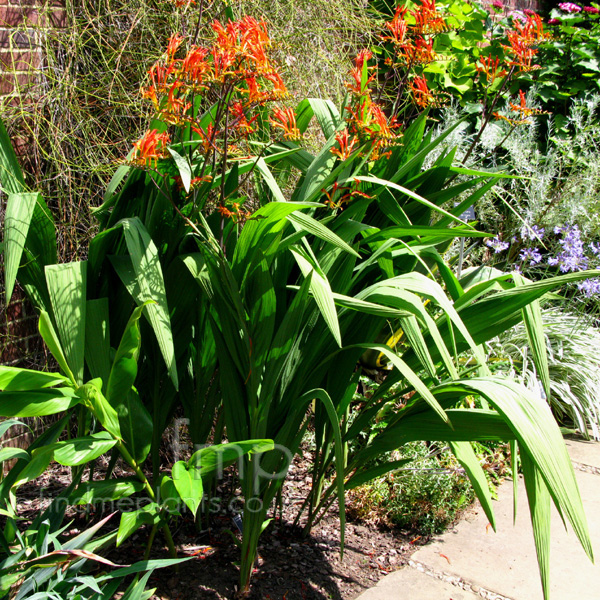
point(425, 496)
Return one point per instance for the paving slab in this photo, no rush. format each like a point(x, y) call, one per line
point(411, 584)
point(586, 453)
point(503, 565)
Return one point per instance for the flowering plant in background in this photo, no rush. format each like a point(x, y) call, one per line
point(569, 7)
point(565, 251)
point(234, 75)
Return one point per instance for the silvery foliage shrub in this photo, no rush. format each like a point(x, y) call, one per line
point(573, 346)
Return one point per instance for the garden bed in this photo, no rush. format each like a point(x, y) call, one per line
point(291, 566)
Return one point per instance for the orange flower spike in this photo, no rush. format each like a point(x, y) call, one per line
point(194, 66)
point(159, 75)
point(357, 87)
point(254, 39)
point(240, 122)
point(279, 90)
point(176, 107)
point(150, 147)
point(490, 67)
point(149, 93)
point(378, 118)
point(346, 145)
point(175, 42)
point(397, 26)
point(427, 19)
point(421, 94)
point(286, 121)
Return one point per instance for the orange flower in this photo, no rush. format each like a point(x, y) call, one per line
point(421, 93)
point(523, 41)
point(175, 42)
point(175, 109)
point(159, 75)
point(346, 144)
point(208, 137)
point(194, 66)
point(286, 121)
point(151, 147)
point(149, 93)
point(240, 122)
point(490, 67)
point(427, 19)
point(357, 72)
point(397, 26)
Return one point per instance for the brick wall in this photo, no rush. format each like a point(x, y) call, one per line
point(23, 23)
point(23, 27)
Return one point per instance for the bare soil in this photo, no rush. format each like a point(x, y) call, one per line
point(291, 566)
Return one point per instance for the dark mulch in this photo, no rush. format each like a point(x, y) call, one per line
point(291, 566)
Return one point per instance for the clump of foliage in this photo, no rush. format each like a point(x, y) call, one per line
point(208, 291)
point(569, 61)
point(425, 496)
point(572, 344)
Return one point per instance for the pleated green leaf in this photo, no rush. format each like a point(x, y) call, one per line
point(91, 395)
point(37, 403)
point(532, 319)
point(110, 490)
point(19, 211)
point(268, 178)
point(466, 457)
point(215, 458)
point(67, 288)
point(79, 451)
point(321, 291)
point(184, 168)
point(148, 284)
point(323, 396)
point(306, 223)
point(124, 367)
point(133, 520)
point(97, 339)
point(11, 175)
point(188, 483)
point(537, 432)
point(13, 379)
point(539, 509)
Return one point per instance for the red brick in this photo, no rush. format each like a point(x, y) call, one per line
point(20, 61)
point(13, 16)
point(57, 18)
point(8, 81)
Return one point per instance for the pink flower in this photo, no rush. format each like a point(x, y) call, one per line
point(529, 12)
point(498, 4)
point(591, 9)
point(554, 21)
point(569, 7)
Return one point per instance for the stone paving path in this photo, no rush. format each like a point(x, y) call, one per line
point(471, 561)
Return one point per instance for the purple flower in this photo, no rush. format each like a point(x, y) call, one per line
point(532, 255)
point(497, 244)
point(572, 256)
point(554, 21)
point(591, 9)
point(595, 248)
point(569, 7)
point(532, 232)
point(590, 287)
